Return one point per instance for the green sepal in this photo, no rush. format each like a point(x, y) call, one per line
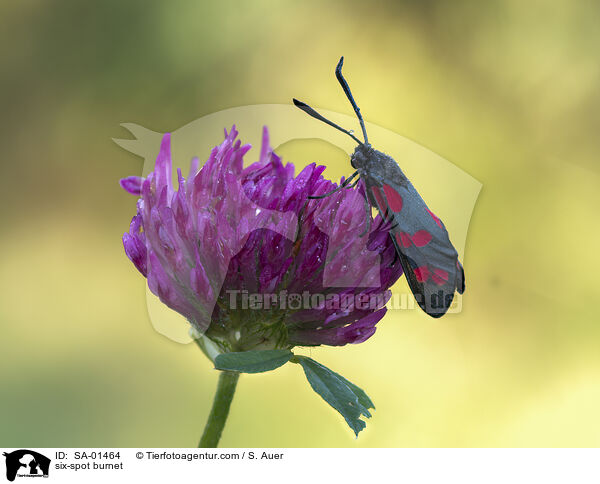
point(253, 361)
point(345, 397)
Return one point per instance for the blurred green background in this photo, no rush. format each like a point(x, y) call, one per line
point(506, 90)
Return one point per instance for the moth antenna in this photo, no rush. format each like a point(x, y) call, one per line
point(346, 88)
point(311, 112)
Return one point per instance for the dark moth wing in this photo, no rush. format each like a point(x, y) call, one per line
point(429, 259)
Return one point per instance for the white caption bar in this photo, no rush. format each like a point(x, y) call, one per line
point(303, 465)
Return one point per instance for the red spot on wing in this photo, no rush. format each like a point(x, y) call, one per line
point(436, 218)
point(394, 199)
point(403, 239)
point(379, 198)
point(422, 273)
point(421, 238)
point(440, 277)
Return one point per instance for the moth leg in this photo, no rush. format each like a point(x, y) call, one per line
point(353, 185)
point(368, 214)
point(300, 215)
point(380, 224)
point(342, 185)
point(396, 258)
point(386, 218)
point(386, 215)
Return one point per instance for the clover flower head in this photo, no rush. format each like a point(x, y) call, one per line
point(233, 248)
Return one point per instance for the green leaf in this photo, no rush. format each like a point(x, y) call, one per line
point(253, 361)
point(363, 398)
point(348, 399)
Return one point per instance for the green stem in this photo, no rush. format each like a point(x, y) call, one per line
point(220, 409)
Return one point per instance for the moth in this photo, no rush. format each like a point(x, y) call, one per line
point(429, 260)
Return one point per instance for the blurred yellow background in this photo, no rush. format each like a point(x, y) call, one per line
point(505, 90)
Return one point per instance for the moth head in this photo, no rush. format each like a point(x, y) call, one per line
point(361, 155)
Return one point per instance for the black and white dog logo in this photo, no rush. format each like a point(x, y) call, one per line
point(26, 463)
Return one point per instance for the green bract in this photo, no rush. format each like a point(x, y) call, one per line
point(345, 397)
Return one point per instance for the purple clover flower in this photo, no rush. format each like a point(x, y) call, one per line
point(229, 236)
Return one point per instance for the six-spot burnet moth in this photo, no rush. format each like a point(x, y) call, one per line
point(428, 258)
